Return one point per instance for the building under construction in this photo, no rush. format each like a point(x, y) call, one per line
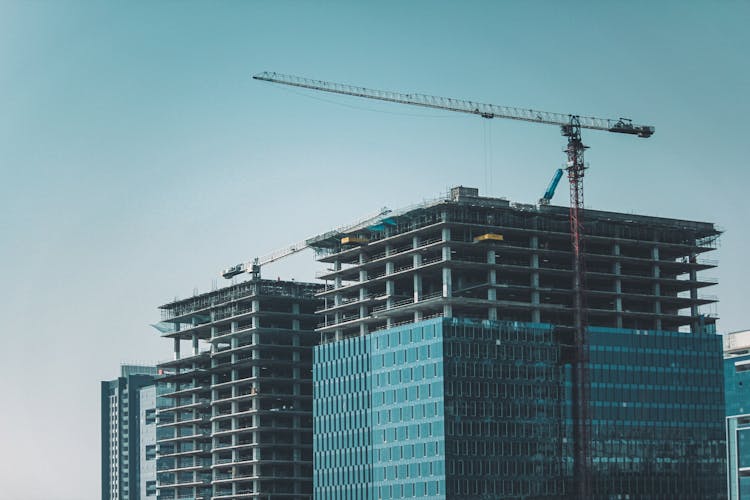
point(487, 258)
point(444, 369)
point(238, 416)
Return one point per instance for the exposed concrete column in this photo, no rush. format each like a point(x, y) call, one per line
point(196, 349)
point(255, 339)
point(214, 348)
point(176, 347)
point(336, 297)
point(492, 274)
point(362, 292)
point(295, 321)
point(390, 287)
point(694, 312)
point(215, 333)
point(656, 273)
point(491, 291)
point(362, 272)
point(256, 309)
point(417, 263)
point(337, 282)
point(447, 278)
point(617, 271)
point(536, 312)
point(233, 343)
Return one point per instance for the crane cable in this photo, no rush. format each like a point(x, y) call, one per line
point(487, 138)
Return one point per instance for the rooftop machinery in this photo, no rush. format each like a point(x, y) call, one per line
point(550, 192)
point(570, 126)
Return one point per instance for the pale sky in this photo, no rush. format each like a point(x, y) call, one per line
point(139, 158)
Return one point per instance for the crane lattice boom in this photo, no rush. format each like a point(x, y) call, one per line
point(621, 125)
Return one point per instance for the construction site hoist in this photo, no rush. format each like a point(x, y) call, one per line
point(253, 266)
point(570, 126)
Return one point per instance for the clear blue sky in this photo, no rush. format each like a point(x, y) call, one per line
point(139, 158)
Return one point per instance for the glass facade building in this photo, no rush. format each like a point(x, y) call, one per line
point(459, 408)
point(342, 419)
point(379, 415)
point(656, 414)
point(128, 404)
point(408, 430)
point(737, 389)
point(503, 410)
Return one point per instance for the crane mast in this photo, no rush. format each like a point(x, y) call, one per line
point(571, 126)
point(581, 387)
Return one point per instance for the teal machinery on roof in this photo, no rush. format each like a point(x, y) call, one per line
point(544, 200)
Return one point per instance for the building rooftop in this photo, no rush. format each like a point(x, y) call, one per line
point(250, 288)
point(460, 196)
point(464, 255)
point(737, 343)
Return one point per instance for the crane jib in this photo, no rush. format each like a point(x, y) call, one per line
point(484, 110)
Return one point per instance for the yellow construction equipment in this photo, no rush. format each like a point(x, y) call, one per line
point(354, 240)
point(253, 266)
point(488, 237)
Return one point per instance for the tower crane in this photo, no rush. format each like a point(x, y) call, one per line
point(570, 126)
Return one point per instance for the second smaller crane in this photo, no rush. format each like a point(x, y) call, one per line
point(253, 266)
